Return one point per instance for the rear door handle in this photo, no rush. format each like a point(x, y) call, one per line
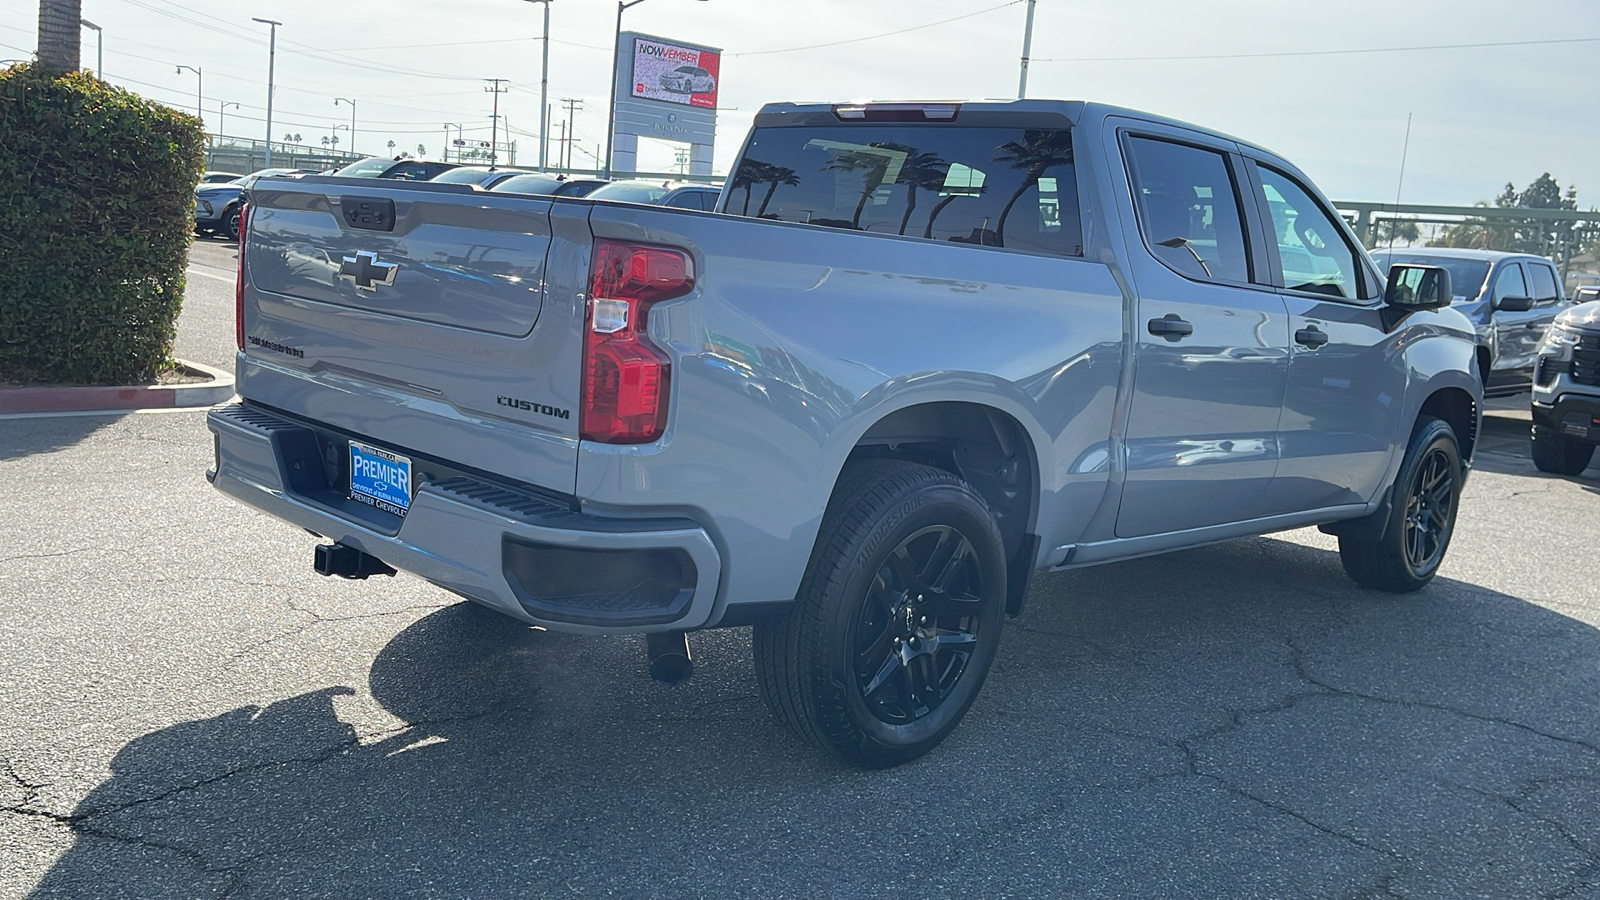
point(1311, 336)
point(1537, 326)
point(1171, 327)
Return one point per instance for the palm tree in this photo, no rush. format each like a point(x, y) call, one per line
point(60, 34)
point(774, 176)
point(875, 165)
point(918, 170)
point(750, 172)
point(1038, 150)
point(956, 195)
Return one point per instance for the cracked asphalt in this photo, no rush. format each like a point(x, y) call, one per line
point(187, 711)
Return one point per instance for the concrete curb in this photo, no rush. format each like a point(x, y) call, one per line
point(96, 398)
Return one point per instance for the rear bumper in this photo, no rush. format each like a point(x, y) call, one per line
point(525, 555)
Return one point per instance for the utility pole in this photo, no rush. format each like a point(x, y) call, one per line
point(1027, 47)
point(574, 106)
point(562, 146)
point(222, 109)
point(272, 58)
point(494, 87)
point(544, 86)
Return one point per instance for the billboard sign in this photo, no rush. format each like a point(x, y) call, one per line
point(674, 73)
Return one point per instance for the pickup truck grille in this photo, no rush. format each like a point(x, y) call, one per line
point(1586, 360)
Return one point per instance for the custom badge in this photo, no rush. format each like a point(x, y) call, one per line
point(367, 273)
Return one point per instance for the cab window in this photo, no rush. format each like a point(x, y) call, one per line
point(1509, 283)
point(1312, 250)
point(1188, 209)
point(1543, 281)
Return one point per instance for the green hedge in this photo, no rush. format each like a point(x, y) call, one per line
point(96, 215)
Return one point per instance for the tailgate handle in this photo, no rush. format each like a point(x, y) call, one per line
point(368, 213)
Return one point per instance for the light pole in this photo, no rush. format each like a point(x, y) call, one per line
point(336, 138)
point(199, 85)
point(336, 102)
point(616, 58)
point(544, 84)
point(272, 58)
point(222, 109)
point(1027, 45)
point(447, 127)
point(100, 49)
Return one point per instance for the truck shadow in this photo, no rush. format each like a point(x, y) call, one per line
point(1236, 720)
point(29, 436)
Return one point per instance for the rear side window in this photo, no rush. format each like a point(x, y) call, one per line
point(529, 184)
point(996, 187)
point(1189, 209)
point(1543, 281)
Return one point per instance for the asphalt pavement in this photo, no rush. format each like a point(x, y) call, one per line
point(187, 711)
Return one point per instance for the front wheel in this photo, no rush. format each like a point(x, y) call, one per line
point(897, 619)
point(1559, 454)
point(230, 223)
point(1422, 516)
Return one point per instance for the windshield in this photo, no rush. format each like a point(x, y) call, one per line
point(366, 168)
point(998, 187)
point(630, 193)
point(529, 184)
point(1466, 275)
point(465, 176)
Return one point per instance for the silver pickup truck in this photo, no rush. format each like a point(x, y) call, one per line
point(921, 352)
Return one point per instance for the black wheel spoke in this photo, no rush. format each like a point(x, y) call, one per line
point(904, 570)
point(946, 560)
point(885, 674)
point(942, 606)
point(959, 642)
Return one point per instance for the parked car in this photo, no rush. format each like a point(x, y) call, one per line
point(216, 206)
point(400, 167)
point(688, 80)
point(1566, 392)
point(543, 184)
point(485, 177)
point(678, 195)
point(1586, 293)
point(219, 177)
point(1511, 299)
point(860, 417)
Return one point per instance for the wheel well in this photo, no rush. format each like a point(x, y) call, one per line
point(1456, 407)
point(986, 448)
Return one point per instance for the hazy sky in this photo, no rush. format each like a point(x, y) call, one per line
point(1482, 115)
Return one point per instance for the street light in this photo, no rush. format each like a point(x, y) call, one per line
point(616, 58)
point(544, 85)
point(447, 127)
point(336, 102)
point(336, 136)
point(272, 58)
point(222, 110)
point(199, 84)
point(99, 49)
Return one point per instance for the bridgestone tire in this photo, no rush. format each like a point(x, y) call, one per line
point(883, 514)
point(1385, 564)
point(1559, 454)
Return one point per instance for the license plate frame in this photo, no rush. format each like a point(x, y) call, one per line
point(380, 478)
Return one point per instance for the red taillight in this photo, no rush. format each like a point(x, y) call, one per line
point(238, 282)
point(625, 378)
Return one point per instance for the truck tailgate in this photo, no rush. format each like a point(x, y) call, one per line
point(426, 318)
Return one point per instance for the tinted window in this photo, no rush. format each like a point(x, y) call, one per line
point(529, 184)
point(1188, 209)
point(999, 187)
point(1466, 275)
point(1311, 244)
point(631, 192)
point(686, 200)
point(1543, 281)
point(1509, 282)
point(371, 167)
point(411, 171)
point(577, 188)
point(465, 176)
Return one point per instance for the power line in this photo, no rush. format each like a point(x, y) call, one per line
point(1287, 53)
point(873, 37)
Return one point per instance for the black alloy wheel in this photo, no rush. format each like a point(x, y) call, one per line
point(919, 625)
point(1430, 510)
point(897, 619)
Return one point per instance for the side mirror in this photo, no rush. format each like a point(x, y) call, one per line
point(1413, 289)
point(1514, 304)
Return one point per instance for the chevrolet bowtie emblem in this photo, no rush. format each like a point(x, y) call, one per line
point(365, 270)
